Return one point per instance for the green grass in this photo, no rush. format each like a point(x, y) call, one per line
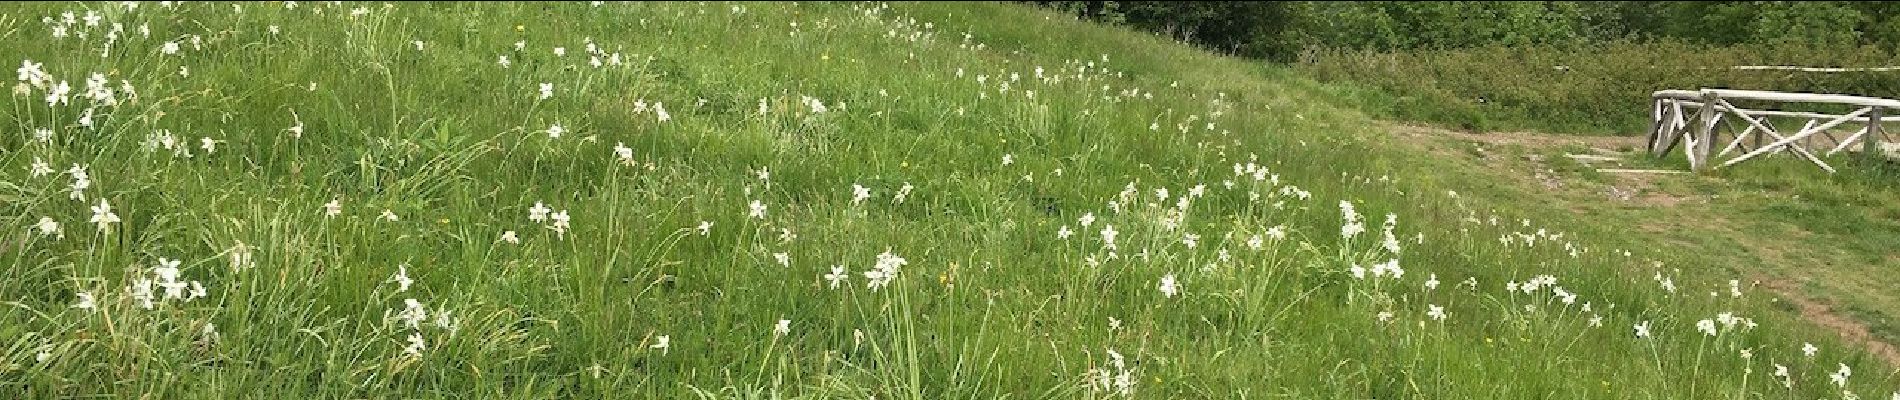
point(991, 303)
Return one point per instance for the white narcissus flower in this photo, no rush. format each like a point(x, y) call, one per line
point(86, 301)
point(413, 313)
point(624, 153)
point(241, 257)
point(444, 320)
point(1642, 330)
point(659, 112)
point(784, 260)
point(402, 278)
point(902, 193)
point(390, 216)
point(1435, 312)
point(197, 291)
point(1706, 326)
point(884, 272)
point(39, 168)
point(784, 327)
point(333, 208)
point(102, 215)
point(547, 91)
point(509, 237)
point(1808, 349)
point(859, 193)
point(167, 273)
point(1064, 233)
point(538, 213)
point(836, 277)
point(416, 345)
point(560, 223)
point(662, 343)
point(555, 131)
point(1168, 286)
point(757, 210)
point(48, 227)
point(1431, 282)
point(705, 228)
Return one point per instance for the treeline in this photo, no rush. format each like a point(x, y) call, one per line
point(1282, 30)
point(1556, 66)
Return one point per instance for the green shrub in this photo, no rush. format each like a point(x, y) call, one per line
point(1588, 88)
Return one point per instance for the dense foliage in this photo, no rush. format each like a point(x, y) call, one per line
point(1279, 30)
point(1580, 67)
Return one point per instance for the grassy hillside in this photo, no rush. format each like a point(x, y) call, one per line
point(742, 200)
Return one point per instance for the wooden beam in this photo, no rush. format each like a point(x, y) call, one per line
point(1803, 97)
point(1850, 141)
point(1770, 113)
point(1810, 69)
point(1672, 130)
point(1641, 171)
point(1739, 138)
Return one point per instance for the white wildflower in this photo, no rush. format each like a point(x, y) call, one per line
point(757, 210)
point(402, 278)
point(416, 345)
point(102, 215)
point(48, 227)
point(662, 343)
point(836, 277)
point(413, 313)
point(86, 301)
point(538, 213)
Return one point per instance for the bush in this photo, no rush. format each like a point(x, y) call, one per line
point(1600, 88)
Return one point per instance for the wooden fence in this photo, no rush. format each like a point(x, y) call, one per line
point(1701, 134)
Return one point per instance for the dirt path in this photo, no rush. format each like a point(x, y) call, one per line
point(1823, 314)
point(1519, 157)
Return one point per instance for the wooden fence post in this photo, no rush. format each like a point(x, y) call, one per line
point(1704, 133)
point(1655, 123)
point(1870, 141)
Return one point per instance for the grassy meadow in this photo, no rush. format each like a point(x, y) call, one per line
point(792, 200)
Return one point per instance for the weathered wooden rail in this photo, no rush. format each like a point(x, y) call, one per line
point(1700, 134)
